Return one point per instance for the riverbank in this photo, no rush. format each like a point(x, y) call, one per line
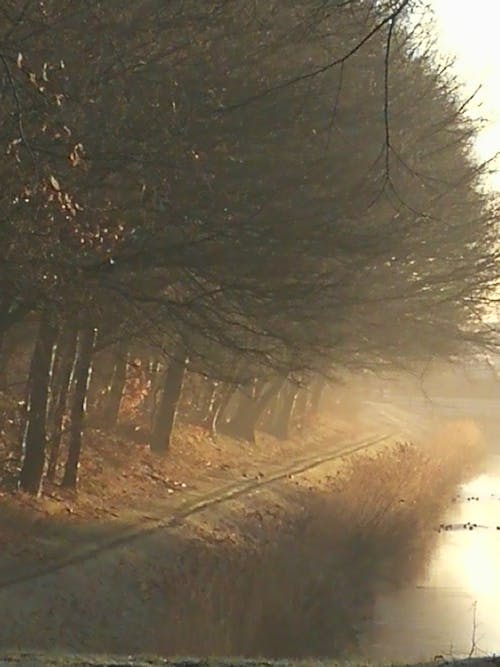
point(290, 568)
point(305, 588)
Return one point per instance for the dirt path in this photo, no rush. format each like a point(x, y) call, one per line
point(190, 576)
point(148, 525)
point(115, 595)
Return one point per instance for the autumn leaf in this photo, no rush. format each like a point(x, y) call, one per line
point(54, 183)
point(75, 156)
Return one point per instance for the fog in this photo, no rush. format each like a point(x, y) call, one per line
point(451, 609)
point(248, 288)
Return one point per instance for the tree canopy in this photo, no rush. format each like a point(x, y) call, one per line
point(257, 188)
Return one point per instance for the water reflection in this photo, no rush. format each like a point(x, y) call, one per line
point(457, 603)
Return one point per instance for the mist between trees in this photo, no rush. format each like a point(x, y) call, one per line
point(242, 198)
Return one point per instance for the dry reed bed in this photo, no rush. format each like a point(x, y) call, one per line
point(304, 589)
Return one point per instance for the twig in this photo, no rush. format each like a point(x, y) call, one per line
point(388, 20)
point(19, 111)
point(387, 65)
point(473, 643)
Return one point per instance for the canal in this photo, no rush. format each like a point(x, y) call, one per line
point(454, 608)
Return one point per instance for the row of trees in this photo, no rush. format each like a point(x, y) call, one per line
point(257, 192)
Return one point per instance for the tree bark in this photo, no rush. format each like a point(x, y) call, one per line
point(316, 394)
point(300, 408)
point(115, 394)
point(82, 371)
point(208, 406)
point(269, 414)
point(4, 358)
point(166, 412)
point(204, 403)
point(281, 417)
point(9, 343)
point(35, 433)
point(62, 385)
point(12, 313)
point(150, 402)
point(221, 401)
point(249, 411)
point(202, 412)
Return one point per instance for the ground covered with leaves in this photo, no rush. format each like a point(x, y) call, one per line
point(122, 481)
point(286, 569)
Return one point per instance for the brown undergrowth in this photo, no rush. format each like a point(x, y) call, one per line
point(304, 587)
point(118, 473)
point(290, 571)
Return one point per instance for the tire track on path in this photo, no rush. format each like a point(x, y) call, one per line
point(195, 506)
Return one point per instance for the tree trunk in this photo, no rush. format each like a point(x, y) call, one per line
point(4, 358)
point(221, 401)
point(82, 371)
point(100, 384)
point(280, 424)
point(316, 394)
point(35, 433)
point(114, 396)
point(151, 400)
point(300, 408)
point(9, 343)
point(60, 397)
point(249, 412)
point(12, 313)
point(206, 399)
point(266, 420)
point(209, 407)
point(167, 410)
point(204, 403)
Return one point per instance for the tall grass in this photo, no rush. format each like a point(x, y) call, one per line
point(302, 590)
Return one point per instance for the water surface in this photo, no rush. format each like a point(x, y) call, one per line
point(456, 605)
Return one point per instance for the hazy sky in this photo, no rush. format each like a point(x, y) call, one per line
point(470, 30)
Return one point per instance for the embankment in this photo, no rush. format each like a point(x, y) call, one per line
point(287, 572)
